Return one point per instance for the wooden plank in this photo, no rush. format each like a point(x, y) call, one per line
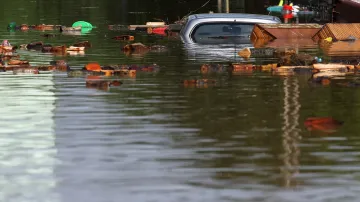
point(332, 67)
point(134, 27)
point(292, 68)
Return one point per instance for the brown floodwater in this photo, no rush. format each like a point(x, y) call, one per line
point(251, 136)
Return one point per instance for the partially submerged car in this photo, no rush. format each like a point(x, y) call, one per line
point(219, 36)
point(219, 28)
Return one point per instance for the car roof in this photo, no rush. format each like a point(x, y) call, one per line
point(232, 15)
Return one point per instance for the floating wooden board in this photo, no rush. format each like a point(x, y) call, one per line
point(143, 27)
point(155, 23)
point(330, 74)
point(332, 67)
point(292, 68)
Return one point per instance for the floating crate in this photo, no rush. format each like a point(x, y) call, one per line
point(341, 48)
point(286, 43)
point(270, 32)
point(338, 31)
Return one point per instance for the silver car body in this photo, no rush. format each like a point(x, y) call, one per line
point(219, 50)
point(195, 20)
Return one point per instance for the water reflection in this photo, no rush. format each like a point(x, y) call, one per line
point(214, 53)
point(291, 136)
point(115, 153)
point(153, 139)
point(27, 142)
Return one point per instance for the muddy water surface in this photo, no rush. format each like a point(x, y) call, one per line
point(152, 139)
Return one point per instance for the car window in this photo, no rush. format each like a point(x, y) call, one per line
point(221, 31)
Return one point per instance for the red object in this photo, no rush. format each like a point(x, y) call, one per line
point(115, 83)
point(93, 67)
point(159, 31)
point(288, 16)
point(287, 12)
point(324, 124)
point(287, 8)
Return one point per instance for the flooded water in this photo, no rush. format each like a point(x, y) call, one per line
point(152, 139)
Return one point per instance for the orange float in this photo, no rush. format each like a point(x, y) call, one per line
point(93, 67)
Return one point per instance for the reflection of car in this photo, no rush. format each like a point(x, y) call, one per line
point(200, 53)
point(220, 28)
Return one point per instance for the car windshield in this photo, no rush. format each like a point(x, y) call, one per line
point(221, 32)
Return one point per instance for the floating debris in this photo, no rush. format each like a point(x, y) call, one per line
point(322, 80)
point(338, 31)
point(323, 124)
point(75, 48)
point(70, 29)
point(200, 83)
point(110, 70)
point(100, 83)
point(341, 48)
point(60, 65)
point(139, 48)
point(76, 53)
point(11, 67)
point(93, 67)
point(85, 44)
point(48, 35)
point(25, 27)
point(37, 45)
point(294, 69)
point(118, 27)
point(268, 67)
point(17, 62)
point(147, 26)
point(44, 27)
point(333, 67)
point(212, 68)
point(238, 68)
point(82, 73)
point(85, 26)
point(29, 70)
point(124, 38)
point(5, 43)
point(56, 49)
point(138, 68)
point(325, 78)
point(135, 48)
point(9, 57)
point(245, 53)
point(284, 31)
point(158, 30)
point(291, 58)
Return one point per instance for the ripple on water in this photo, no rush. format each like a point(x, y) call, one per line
point(152, 139)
